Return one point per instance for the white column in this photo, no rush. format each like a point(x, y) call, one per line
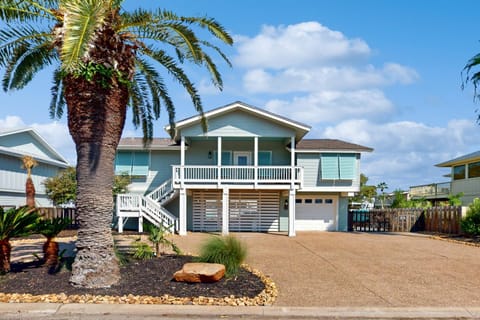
point(140, 223)
point(255, 159)
point(120, 224)
point(219, 160)
point(225, 211)
point(182, 160)
point(291, 213)
point(182, 230)
point(292, 161)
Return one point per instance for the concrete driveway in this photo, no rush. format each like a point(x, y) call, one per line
point(334, 269)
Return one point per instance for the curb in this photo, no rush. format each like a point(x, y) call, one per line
point(65, 311)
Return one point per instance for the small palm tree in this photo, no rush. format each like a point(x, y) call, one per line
point(50, 229)
point(382, 186)
point(29, 163)
point(158, 236)
point(14, 223)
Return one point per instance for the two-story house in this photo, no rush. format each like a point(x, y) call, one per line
point(13, 146)
point(251, 171)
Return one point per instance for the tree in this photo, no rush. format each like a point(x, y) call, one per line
point(50, 229)
point(29, 163)
point(472, 75)
point(62, 188)
point(104, 60)
point(382, 186)
point(14, 223)
point(367, 192)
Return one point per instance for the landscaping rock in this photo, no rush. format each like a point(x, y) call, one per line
point(200, 272)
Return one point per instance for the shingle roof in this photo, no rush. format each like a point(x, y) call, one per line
point(330, 144)
point(156, 143)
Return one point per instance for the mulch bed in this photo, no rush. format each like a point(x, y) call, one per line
point(139, 278)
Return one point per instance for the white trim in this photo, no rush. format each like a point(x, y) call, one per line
point(326, 151)
point(17, 154)
point(248, 154)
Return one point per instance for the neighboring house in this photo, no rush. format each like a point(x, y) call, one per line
point(13, 146)
point(252, 171)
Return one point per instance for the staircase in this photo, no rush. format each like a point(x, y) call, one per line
point(150, 207)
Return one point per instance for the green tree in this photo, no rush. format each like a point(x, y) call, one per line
point(382, 186)
point(455, 199)
point(50, 229)
point(399, 200)
point(105, 59)
point(62, 188)
point(14, 223)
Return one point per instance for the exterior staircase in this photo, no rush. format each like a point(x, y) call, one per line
point(150, 207)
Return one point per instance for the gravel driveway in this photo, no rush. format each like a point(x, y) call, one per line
point(333, 269)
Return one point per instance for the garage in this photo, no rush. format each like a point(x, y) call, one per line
point(316, 213)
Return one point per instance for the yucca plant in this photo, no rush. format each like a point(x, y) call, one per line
point(50, 228)
point(105, 59)
point(228, 251)
point(14, 222)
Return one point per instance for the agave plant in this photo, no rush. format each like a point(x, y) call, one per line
point(50, 229)
point(14, 222)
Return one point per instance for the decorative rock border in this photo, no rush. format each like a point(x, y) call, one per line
point(264, 298)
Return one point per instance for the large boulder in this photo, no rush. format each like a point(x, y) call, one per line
point(200, 272)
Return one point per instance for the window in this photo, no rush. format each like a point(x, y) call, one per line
point(459, 172)
point(328, 201)
point(132, 163)
point(226, 158)
point(317, 201)
point(264, 158)
point(338, 166)
point(298, 200)
point(474, 170)
point(309, 201)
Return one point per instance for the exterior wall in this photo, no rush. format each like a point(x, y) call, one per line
point(161, 167)
point(342, 214)
point(239, 124)
point(23, 142)
point(13, 178)
point(283, 219)
point(469, 187)
point(312, 175)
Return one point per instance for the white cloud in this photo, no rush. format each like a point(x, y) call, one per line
point(300, 45)
point(406, 151)
point(11, 123)
point(331, 106)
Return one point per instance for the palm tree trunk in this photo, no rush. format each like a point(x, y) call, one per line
point(30, 191)
point(96, 116)
point(5, 250)
point(50, 252)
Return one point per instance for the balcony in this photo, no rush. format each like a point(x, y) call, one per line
point(431, 191)
point(236, 175)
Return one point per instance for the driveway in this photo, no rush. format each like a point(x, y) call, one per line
point(335, 269)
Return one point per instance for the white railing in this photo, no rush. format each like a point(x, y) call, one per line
point(147, 208)
point(163, 190)
point(237, 174)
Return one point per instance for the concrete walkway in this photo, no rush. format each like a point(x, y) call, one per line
point(322, 275)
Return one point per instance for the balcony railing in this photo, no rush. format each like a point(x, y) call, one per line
point(237, 175)
point(434, 190)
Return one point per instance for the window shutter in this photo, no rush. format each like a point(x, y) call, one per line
point(347, 166)
point(140, 164)
point(123, 162)
point(264, 158)
point(329, 166)
point(226, 158)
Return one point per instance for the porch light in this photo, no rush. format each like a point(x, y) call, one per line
point(210, 154)
point(285, 204)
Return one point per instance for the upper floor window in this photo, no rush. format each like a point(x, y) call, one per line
point(474, 170)
point(134, 163)
point(459, 172)
point(338, 166)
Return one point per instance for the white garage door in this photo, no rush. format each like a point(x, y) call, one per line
point(316, 213)
point(254, 211)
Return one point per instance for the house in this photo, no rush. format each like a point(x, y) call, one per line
point(251, 171)
point(14, 145)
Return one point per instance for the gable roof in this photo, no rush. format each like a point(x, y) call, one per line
point(134, 143)
point(299, 127)
point(460, 160)
point(54, 157)
point(314, 145)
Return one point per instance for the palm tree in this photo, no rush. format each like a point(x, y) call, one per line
point(29, 163)
point(50, 229)
point(104, 58)
point(472, 75)
point(382, 186)
point(14, 223)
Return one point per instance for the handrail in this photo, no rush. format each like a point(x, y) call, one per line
point(161, 191)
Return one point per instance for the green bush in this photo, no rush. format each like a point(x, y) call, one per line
point(228, 251)
point(471, 223)
point(142, 251)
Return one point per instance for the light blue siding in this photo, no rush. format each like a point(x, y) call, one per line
point(239, 124)
point(342, 214)
point(283, 215)
point(311, 168)
point(161, 167)
point(24, 142)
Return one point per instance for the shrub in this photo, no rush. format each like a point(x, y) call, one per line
point(228, 251)
point(142, 251)
point(471, 223)
point(158, 236)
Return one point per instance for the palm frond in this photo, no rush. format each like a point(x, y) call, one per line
point(83, 19)
point(57, 103)
point(23, 11)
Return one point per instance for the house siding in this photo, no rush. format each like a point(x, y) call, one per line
point(239, 124)
point(342, 214)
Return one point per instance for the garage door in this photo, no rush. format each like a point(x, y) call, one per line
point(315, 213)
point(207, 211)
point(254, 211)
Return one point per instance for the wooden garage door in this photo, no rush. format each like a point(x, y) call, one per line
point(254, 211)
point(207, 211)
point(315, 213)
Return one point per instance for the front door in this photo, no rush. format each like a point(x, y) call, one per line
point(242, 158)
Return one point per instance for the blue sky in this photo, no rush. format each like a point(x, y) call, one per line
point(384, 74)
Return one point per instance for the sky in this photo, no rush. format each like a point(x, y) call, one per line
point(385, 74)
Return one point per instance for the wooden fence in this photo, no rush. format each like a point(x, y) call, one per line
point(65, 213)
point(436, 219)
